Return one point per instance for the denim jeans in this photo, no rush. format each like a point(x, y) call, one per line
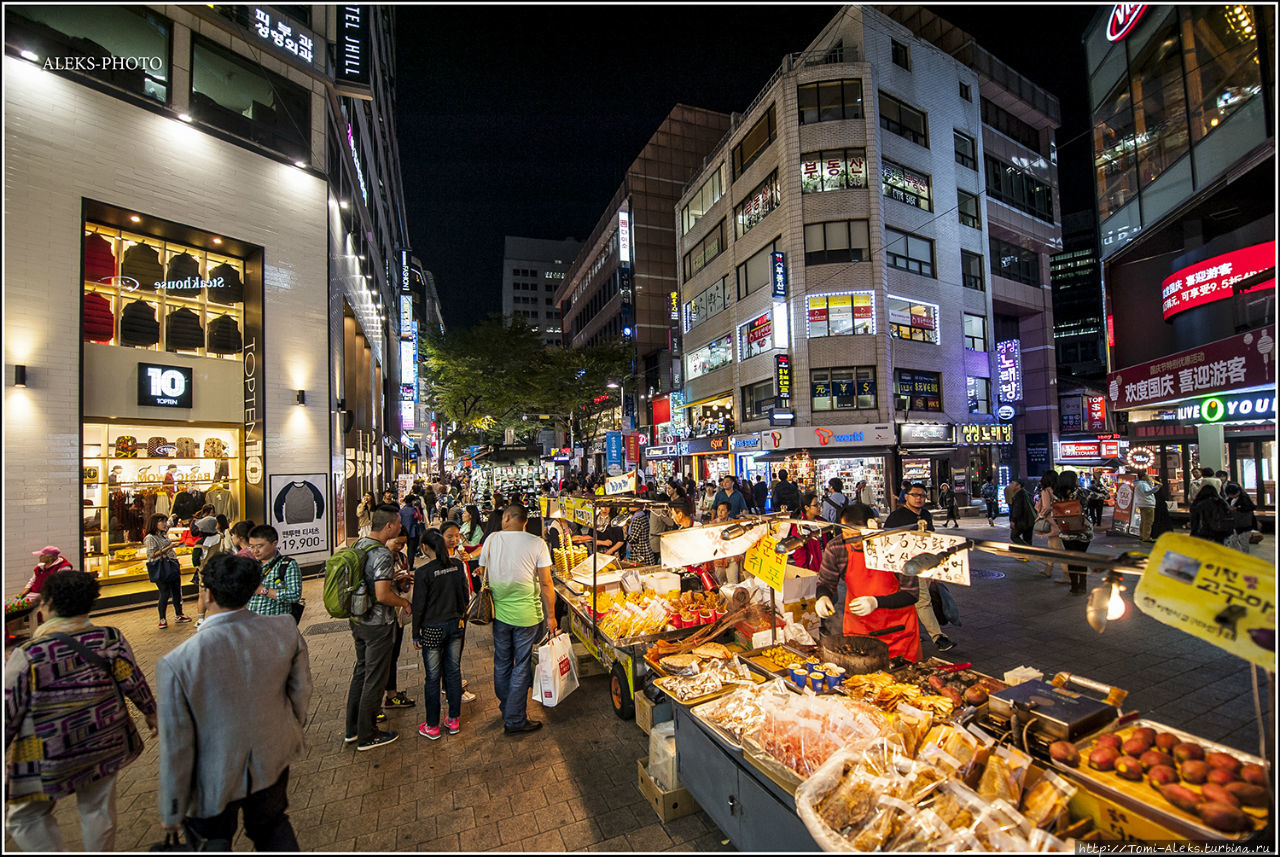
point(364, 696)
point(266, 822)
point(171, 589)
point(444, 664)
point(512, 655)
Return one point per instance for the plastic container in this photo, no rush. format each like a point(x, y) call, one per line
point(662, 755)
point(662, 582)
point(1021, 674)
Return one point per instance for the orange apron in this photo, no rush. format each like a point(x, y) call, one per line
point(860, 580)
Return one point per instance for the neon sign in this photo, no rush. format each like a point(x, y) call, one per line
point(1009, 370)
point(1123, 18)
point(1215, 279)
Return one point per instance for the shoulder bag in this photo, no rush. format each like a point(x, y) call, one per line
point(296, 608)
point(133, 740)
point(163, 570)
point(480, 607)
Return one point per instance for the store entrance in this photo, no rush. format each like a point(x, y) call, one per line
point(1251, 464)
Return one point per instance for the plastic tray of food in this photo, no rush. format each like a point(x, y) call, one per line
point(760, 758)
point(726, 652)
point(1141, 796)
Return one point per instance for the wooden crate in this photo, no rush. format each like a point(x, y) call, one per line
point(669, 805)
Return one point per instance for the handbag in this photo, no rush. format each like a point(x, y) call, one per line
point(163, 570)
point(480, 607)
point(1255, 538)
point(194, 842)
point(133, 738)
point(1042, 525)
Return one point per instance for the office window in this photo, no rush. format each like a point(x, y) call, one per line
point(1221, 56)
point(908, 252)
point(967, 209)
point(1012, 186)
point(764, 198)
point(900, 55)
point(1114, 159)
point(708, 195)
point(709, 357)
point(1160, 105)
point(1015, 263)
point(837, 241)
point(922, 389)
point(755, 141)
point(756, 336)
point(1009, 125)
point(914, 320)
point(98, 31)
point(904, 120)
point(971, 271)
point(975, 332)
point(828, 100)
point(848, 313)
point(965, 92)
point(235, 94)
point(966, 151)
point(979, 390)
point(848, 389)
point(711, 246)
point(757, 399)
point(905, 185)
point(708, 302)
point(834, 169)
point(757, 272)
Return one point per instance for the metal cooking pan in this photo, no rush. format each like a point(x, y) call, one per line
point(857, 654)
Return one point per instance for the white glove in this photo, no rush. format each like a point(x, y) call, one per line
point(824, 607)
point(863, 605)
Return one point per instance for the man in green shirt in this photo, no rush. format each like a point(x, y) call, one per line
point(519, 568)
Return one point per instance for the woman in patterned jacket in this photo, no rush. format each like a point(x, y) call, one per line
point(67, 729)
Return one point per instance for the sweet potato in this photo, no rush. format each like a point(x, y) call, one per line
point(1247, 793)
point(1224, 817)
point(1135, 746)
point(1064, 752)
point(1188, 750)
point(975, 695)
point(1162, 775)
point(1128, 768)
point(1146, 733)
point(1181, 797)
point(1103, 758)
point(1221, 776)
point(1151, 758)
point(1167, 741)
point(1215, 792)
point(1194, 771)
point(1255, 774)
point(1223, 760)
point(1110, 740)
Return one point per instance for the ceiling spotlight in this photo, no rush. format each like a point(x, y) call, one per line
point(185, 117)
point(30, 56)
point(217, 240)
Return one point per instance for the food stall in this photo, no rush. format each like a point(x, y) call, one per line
point(839, 748)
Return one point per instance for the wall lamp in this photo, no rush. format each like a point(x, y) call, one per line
point(20, 375)
point(302, 397)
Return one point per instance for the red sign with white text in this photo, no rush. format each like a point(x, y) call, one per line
point(1236, 363)
point(1095, 413)
point(1123, 18)
point(1214, 279)
point(1078, 449)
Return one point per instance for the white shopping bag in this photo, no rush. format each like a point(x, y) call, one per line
point(557, 670)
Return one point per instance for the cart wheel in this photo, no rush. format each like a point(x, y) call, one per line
point(620, 694)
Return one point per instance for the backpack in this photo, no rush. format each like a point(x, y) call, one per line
point(1219, 518)
point(988, 491)
point(343, 575)
point(1069, 516)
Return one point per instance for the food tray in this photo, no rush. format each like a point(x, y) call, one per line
point(760, 667)
point(786, 779)
point(654, 665)
point(723, 734)
point(706, 697)
point(1142, 798)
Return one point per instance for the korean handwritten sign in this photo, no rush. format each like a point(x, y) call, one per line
point(891, 552)
point(766, 563)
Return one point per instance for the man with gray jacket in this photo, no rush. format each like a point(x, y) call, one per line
point(233, 700)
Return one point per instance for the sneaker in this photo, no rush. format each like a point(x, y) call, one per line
point(452, 725)
point(527, 726)
point(468, 696)
point(184, 618)
point(943, 643)
point(163, 624)
point(350, 739)
point(400, 700)
point(380, 717)
point(380, 739)
point(464, 684)
point(432, 732)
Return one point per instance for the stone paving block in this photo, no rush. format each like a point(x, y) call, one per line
point(495, 810)
point(483, 837)
point(617, 843)
point(687, 828)
point(617, 822)
point(455, 821)
point(554, 816)
point(377, 841)
point(517, 827)
point(651, 837)
point(356, 825)
point(397, 814)
point(548, 841)
point(577, 835)
point(339, 810)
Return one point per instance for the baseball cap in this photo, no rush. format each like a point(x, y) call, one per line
point(47, 550)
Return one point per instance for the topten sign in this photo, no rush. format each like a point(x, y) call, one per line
point(1123, 18)
point(1215, 279)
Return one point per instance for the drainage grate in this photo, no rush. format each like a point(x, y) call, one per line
point(326, 628)
point(984, 574)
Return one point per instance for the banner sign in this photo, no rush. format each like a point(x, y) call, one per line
point(1213, 593)
point(926, 433)
point(891, 552)
point(986, 433)
point(1214, 279)
point(613, 452)
point(1009, 370)
point(764, 562)
point(1122, 512)
point(667, 450)
point(299, 512)
point(1234, 363)
point(782, 369)
point(779, 276)
point(1095, 410)
point(1240, 407)
point(623, 484)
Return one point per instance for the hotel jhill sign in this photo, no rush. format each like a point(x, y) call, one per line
point(1238, 362)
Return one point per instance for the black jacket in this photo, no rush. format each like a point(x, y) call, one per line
point(903, 516)
point(224, 336)
point(231, 291)
point(138, 325)
point(142, 263)
point(183, 331)
point(785, 493)
point(1022, 515)
point(183, 266)
point(440, 594)
point(759, 493)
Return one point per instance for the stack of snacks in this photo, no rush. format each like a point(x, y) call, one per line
point(803, 731)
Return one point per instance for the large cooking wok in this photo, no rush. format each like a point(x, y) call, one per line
point(858, 655)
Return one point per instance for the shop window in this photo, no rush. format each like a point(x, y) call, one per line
point(979, 394)
point(967, 209)
point(975, 332)
point(1011, 126)
point(711, 246)
point(899, 54)
point(1012, 186)
point(848, 313)
point(908, 252)
point(707, 196)
point(899, 118)
point(757, 272)
point(764, 198)
point(837, 241)
point(1113, 151)
point(1015, 263)
point(971, 271)
point(129, 44)
point(711, 418)
point(755, 142)
point(709, 357)
point(905, 185)
point(1221, 54)
point(829, 100)
point(756, 336)
point(144, 292)
point(1160, 106)
point(914, 320)
point(835, 169)
point(923, 389)
point(709, 302)
point(237, 95)
point(848, 389)
point(757, 399)
point(966, 150)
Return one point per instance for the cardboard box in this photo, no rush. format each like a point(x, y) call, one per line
point(669, 805)
point(753, 635)
point(649, 715)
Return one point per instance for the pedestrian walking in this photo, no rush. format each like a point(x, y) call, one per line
point(1022, 514)
point(785, 493)
point(67, 729)
point(158, 547)
point(1078, 536)
point(440, 597)
point(412, 525)
point(224, 751)
point(364, 513)
point(518, 566)
point(1044, 511)
point(759, 495)
point(1161, 520)
point(240, 538)
point(1211, 517)
point(947, 500)
point(1098, 497)
point(989, 497)
point(834, 501)
point(911, 513)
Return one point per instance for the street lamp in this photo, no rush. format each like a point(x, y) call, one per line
point(622, 399)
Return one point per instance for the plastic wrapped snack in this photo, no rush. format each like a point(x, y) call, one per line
point(911, 725)
point(741, 712)
point(1045, 804)
point(803, 733)
point(1002, 778)
point(955, 742)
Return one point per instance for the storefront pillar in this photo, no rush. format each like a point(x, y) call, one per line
point(1211, 438)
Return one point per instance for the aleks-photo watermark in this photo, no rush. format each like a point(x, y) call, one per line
point(103, 64)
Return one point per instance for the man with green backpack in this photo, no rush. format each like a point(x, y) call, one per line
point(358, 586)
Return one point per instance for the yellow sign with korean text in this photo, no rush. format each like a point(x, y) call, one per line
point(766, 563)
point(1219, 595)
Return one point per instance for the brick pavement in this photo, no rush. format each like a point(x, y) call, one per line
point(572, 785)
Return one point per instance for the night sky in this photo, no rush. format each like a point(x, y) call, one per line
point(521, 120)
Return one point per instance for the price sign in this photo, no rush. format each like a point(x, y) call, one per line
point(299, 512)
point(891, 552)
point(766, 563)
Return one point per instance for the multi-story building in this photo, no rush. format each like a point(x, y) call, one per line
point(1076, 278)
point(422, 315)
point(622, 285)
point(208, 187)
point(533, 270)
point(852, 322)
point(1184, 147)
